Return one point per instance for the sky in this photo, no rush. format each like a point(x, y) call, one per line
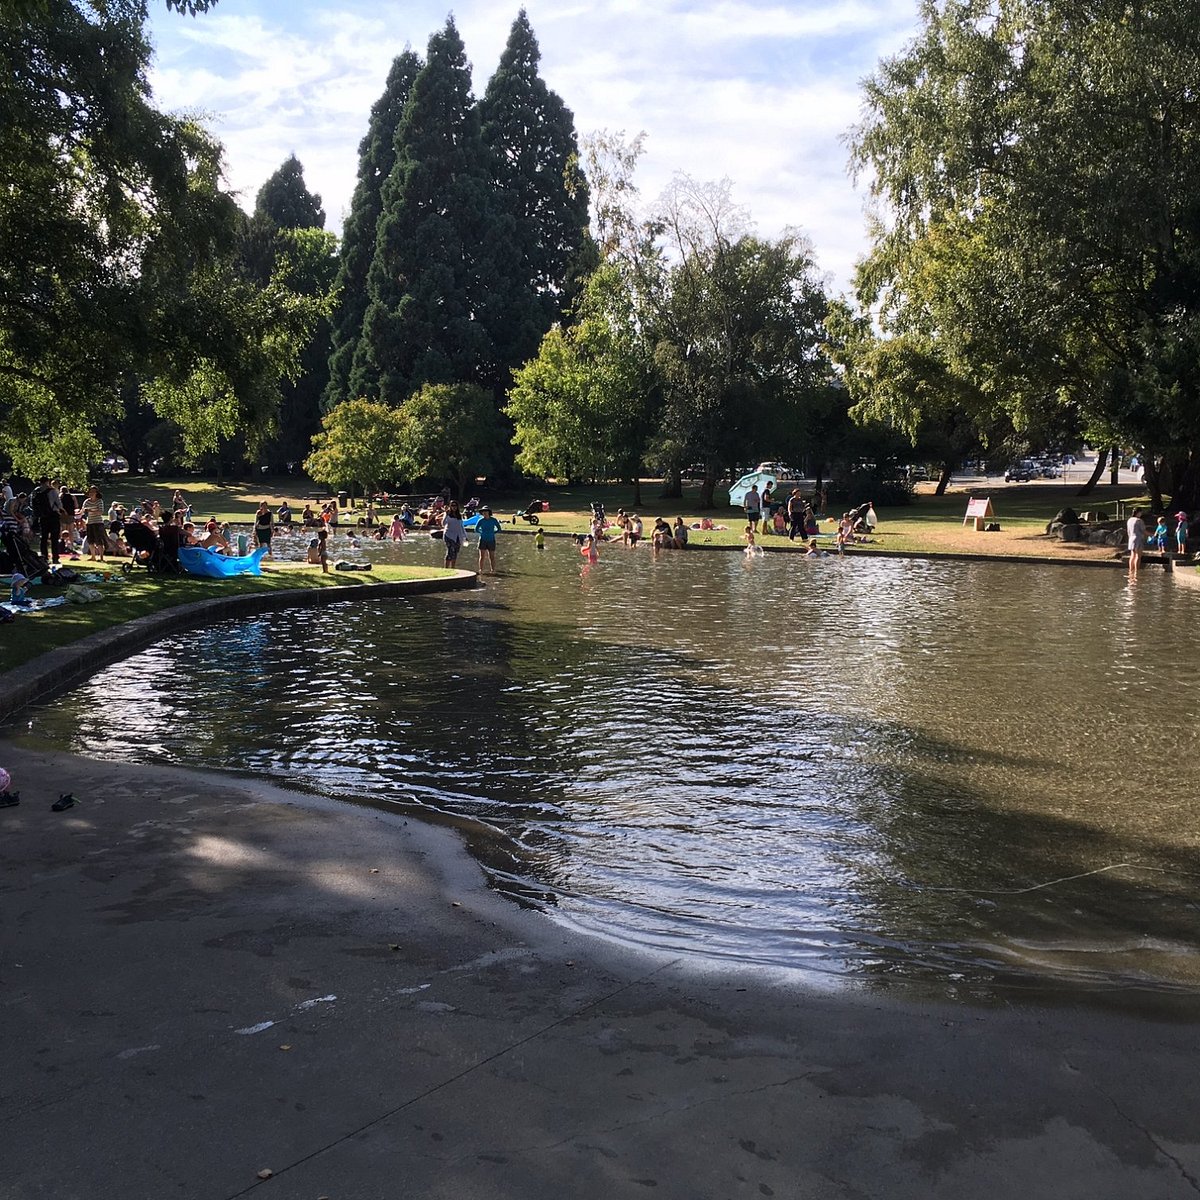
point(758, 92)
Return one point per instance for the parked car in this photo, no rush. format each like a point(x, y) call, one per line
point(778, 469)
point(1021, 472)
point(1049, 469)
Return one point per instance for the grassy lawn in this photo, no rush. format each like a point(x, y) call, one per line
point(138, 594)
point(931, 524)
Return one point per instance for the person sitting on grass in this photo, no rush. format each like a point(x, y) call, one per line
point(19, 592)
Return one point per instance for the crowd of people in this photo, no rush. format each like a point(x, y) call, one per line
point(66, 524)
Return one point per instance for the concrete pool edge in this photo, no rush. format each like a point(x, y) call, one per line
point(289, 991)
point(63, 668)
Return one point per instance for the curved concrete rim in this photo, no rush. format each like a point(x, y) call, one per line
point(59, 670)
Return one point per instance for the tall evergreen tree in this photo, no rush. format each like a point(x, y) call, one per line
point(286, 200)
point(283, 202)
point(432, 271)
point(376, 156)
point(285, 240)
point(530, 133)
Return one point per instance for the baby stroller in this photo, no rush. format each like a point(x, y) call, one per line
point(19, 554)
point(597, 511)
point(146, 550)
point(529, 513)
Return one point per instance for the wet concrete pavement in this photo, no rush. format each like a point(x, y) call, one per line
point(204, 978)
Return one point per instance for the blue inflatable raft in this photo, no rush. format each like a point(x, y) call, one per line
point(199, 560)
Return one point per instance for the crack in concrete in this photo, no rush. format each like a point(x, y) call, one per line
point(575, 1013)
point(1159, 1148)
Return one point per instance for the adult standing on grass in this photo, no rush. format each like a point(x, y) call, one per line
point(264, 525)
point(795, 513)
point(47, 507)
point(93, 517)
point(486, 531)
point(1136, 529)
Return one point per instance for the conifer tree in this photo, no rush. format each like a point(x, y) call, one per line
point(376, 156)
point(283, 202)
point(543, 195)
point(285, 240)
point(286, 200)
point(432, 269)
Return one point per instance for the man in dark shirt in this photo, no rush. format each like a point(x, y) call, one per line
point(47, 508)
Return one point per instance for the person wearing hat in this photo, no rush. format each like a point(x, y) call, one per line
point(1181, 532)
point(486, 530)
point(20, 590)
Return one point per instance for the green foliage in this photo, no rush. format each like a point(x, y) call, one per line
point(738, 335)
point(432, 271)
point(359, 443)
point(104, 214)
point(376, 156)
point(1038, 167)
point(542, 198)
point(286, 201)
point(581, 407)
point(449, 431)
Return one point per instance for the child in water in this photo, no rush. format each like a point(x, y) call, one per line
point(752, 546)
point(588, 549)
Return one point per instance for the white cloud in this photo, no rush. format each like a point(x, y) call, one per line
point(759, 93)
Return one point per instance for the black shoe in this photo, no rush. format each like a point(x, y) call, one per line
point(8, 799)
point(65, 801)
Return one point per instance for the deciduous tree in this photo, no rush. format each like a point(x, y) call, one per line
point(449, 431)
point(358, 444)
point(1037, 169)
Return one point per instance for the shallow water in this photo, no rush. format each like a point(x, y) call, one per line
point(974, 774)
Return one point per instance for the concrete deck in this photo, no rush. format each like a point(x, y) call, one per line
point(203, 978)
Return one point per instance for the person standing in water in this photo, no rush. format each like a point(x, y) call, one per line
point(486, 531)
point(1135, 527)
point(452, 533)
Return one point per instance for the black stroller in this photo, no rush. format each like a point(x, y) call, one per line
point(147, 550)
point(529, 513)
point(19, 554)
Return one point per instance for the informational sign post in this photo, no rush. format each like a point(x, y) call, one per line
point(979, 509)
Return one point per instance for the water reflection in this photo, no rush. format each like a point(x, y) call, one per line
point(863, 770)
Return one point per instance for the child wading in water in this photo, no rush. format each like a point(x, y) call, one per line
point(588, 549)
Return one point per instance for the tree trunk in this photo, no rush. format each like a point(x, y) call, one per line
point(1186, 496)
point(944, 479)
point(1154, 479)
point(1088, 487)
point(1114, 467)
point(708, 485)
point(637, 489)
point(673, 485)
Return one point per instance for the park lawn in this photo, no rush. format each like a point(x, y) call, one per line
point(136, 595)
point(930, 525)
